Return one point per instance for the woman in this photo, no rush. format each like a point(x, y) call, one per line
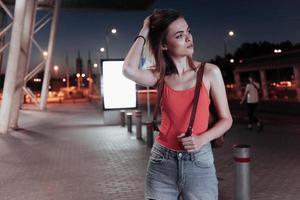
point(178, 165)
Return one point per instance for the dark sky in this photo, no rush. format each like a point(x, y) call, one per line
point(252, 21)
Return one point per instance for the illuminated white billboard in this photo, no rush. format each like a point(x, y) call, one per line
point(118, 91)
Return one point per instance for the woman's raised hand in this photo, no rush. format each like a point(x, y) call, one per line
point(146, 27)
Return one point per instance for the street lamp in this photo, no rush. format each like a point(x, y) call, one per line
point(228, 35)
point(55, 68)
point(113, 31)
point(45, 54)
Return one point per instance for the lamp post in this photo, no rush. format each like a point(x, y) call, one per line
point(55, 68)
point(230, 34)
point(112, 31)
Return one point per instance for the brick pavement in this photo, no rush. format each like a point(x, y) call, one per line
point(68, 154)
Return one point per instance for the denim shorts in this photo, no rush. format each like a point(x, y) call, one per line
point(172, 174)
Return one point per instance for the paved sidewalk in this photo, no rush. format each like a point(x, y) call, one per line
point(68, 154)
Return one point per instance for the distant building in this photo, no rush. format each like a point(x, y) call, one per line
point(79, 70)
point(79, 67)
point(267, 69)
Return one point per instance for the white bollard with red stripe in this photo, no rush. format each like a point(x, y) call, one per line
point(242, 171)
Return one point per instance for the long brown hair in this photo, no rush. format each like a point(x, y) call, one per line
point(159, 23)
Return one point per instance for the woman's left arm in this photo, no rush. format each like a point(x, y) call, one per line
point(219, 98)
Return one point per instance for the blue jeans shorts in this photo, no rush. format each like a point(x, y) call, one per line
point(171, 174)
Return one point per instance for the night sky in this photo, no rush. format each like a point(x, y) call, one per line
point(210, 20)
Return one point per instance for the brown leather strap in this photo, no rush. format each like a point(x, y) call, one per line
point(196, 98)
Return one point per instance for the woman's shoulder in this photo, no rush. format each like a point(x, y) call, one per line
point(209, 69)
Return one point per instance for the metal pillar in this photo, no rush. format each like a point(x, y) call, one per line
point(67, 71)
point(242, 172)
point(24, 60)
point(297, 80)
point(264, 84)
point(237, 79)
point(52, 38)
point(2, 42)
point(12, 65)
point(129, 122)
point(90, 75)
point(122, 116)
point(138, 117)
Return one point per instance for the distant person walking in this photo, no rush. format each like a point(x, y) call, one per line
point(252, 95)
point(179, 164)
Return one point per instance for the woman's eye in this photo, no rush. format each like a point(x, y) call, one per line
point(179, 36)
point(189, 31)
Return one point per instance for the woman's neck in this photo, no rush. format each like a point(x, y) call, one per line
point(182, 65)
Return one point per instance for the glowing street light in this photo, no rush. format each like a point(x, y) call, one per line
point(83, 75)
point(102, 49)
point(55, 68)
point(230, 34)
point(95, 65)
point(45, 54)
point(113, 31)
point(77, 75)
point(231, 60)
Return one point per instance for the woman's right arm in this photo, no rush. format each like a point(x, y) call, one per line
point(131, 63)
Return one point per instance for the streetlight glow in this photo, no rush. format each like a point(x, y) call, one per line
point(55, 68)
point(102, 49)
point(77, 75)
point(95, 65)
point(113, 31)
point(45, 54)
point(64, 80)
point(227, 36)
point(83, 75)
point(231, 60)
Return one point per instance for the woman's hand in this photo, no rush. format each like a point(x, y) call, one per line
point(146, 27)
point(193, 143)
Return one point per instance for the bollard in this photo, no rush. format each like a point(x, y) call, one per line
point(242, 172)
point(138, 116)
point(149, 134)
point(129, 121)
point(122, 114)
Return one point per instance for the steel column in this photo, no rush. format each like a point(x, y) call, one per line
point(264, 85)
point(296, 69)
point(24, 60)
point(12, 65)
point(44, 94)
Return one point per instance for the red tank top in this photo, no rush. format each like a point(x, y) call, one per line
point(176, 108)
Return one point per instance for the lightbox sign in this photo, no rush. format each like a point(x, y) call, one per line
point(118, 91)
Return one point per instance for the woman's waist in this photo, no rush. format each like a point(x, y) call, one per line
point(173, 153)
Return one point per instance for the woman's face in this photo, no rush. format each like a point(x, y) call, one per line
point(179, 40)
